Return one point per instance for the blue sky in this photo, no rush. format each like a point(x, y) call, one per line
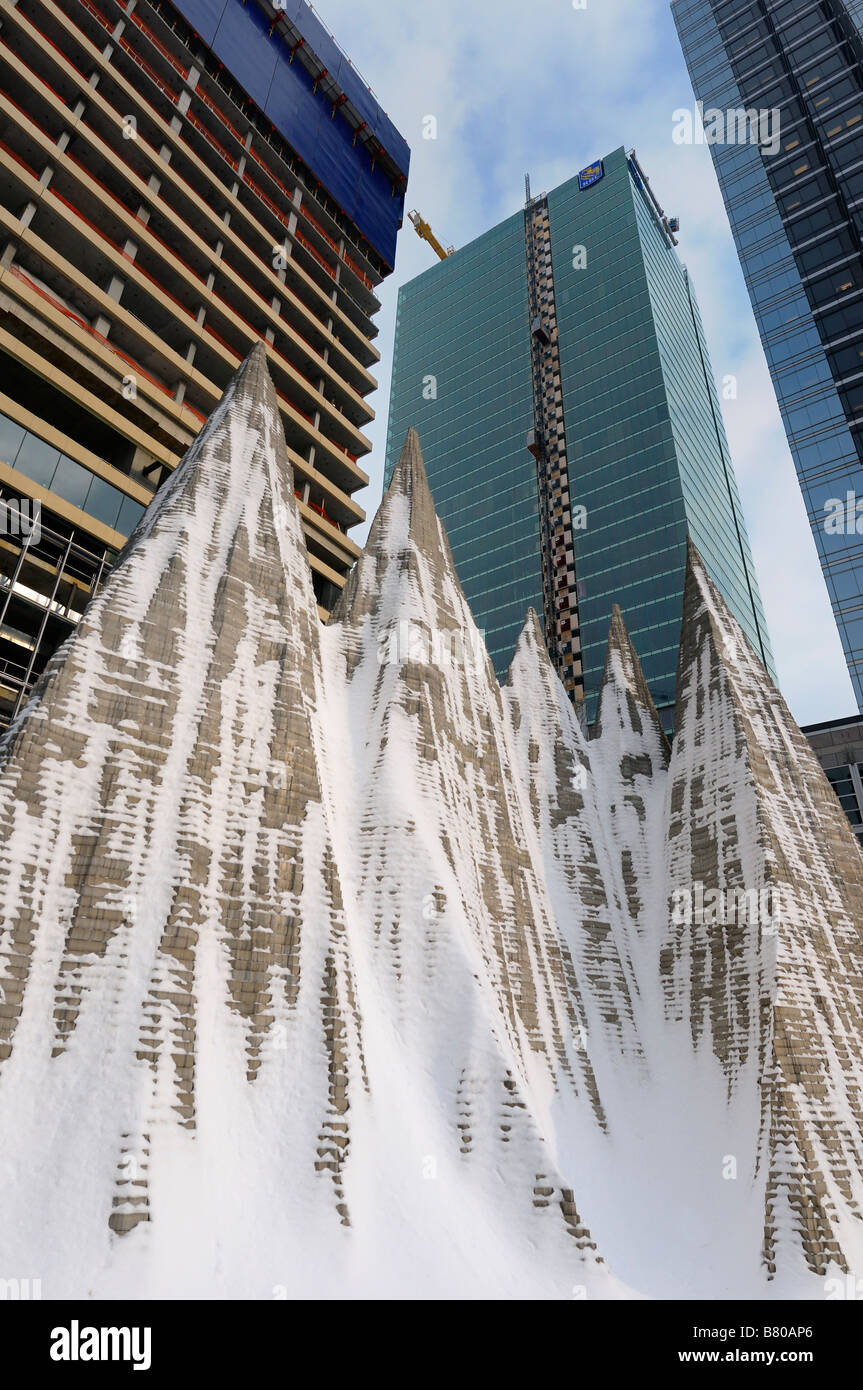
point(547, 87)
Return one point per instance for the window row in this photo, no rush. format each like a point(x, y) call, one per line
point(46, 465)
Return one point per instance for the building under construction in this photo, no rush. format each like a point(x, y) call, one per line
point(557, 372)
point(179, 181)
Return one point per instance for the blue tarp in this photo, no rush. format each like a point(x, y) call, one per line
point(237, 34)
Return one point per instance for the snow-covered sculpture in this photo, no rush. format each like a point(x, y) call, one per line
point(329, 967)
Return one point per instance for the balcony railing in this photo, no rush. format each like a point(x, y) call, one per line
point(82, 323)
point(173, 96)
point(133, 53)
point(103, 236)
point(165, 52)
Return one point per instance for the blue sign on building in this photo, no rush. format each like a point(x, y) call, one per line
point(592, 174)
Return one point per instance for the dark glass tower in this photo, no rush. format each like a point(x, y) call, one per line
point(838, 746)
point(796, 211)
point(557, 363)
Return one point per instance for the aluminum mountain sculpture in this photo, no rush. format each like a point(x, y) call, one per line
point(330, 967)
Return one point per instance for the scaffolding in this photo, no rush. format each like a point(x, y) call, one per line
point(546, 441)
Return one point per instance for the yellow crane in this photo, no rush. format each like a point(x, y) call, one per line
point(424, 230)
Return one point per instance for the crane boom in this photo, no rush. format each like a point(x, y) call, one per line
point(424, 230)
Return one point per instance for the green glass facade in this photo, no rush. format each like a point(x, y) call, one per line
point(645, 443)
point(461, 375)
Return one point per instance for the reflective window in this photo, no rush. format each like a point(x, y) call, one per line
point(11, 436)
point(71, 481)
point(38, 460)
point(44, 464)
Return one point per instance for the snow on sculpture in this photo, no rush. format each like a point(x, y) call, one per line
point(329, 967)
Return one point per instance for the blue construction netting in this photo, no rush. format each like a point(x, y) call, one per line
point(238, 35)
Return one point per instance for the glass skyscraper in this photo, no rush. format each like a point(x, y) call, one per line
point(796, 212)
point(838, 746)
point(603, 324)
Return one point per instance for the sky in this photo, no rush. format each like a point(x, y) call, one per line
point(547, 87)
